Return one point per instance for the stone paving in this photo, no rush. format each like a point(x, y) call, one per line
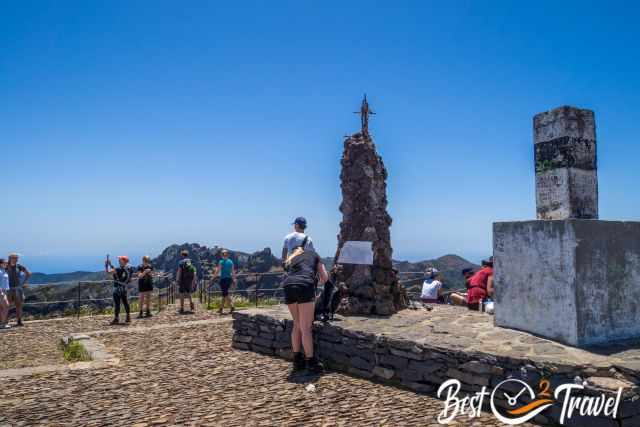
point(186, 373)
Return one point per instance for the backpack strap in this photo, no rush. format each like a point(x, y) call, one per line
point(304, 242)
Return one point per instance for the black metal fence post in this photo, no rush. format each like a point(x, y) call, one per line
point(78, 301)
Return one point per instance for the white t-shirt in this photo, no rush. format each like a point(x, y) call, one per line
point(430, 289)
point(295, 239)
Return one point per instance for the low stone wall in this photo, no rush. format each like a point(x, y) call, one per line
point(423, 368)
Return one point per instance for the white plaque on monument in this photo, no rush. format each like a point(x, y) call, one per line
point(356, 252)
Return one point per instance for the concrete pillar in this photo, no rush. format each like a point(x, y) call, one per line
point(565, 160)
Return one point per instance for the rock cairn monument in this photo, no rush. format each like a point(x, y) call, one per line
point(568, 276)
point(373, 289)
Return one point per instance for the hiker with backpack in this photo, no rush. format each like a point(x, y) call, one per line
point(227, 273)
point(304, 267)
point(186, 277)
point(122, 276)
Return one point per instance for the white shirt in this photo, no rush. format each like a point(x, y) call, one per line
point(430, 289)
point(295, 239)
point(4, 279)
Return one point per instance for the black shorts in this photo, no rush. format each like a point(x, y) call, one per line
point(145, 286)
point(299, 294)
point(225, 284)
point(185, 288)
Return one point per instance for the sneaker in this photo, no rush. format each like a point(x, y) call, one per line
point(149, 314)
point(140, 316)
point(128, 319)
point(181, 311)
point(232, 309)
point(314, 366)
point(298, 362)
point(115, 322)
point(19, 323)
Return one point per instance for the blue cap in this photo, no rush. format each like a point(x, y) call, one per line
point(301, 221)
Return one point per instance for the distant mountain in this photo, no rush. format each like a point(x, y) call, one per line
point(204, 258)
point(76, 276)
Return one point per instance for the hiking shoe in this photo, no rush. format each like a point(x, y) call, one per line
point(220, 310)
point(232, 309)
point(139, 316)
point(115, 322)
point(19, 323)
point(298, 362)
point(128, 319)
point(193, 307)
point(149, 314)
point(314, 366)
point(181, 311)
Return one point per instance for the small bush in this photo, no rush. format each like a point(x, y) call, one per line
point(241, 302)
point(75, 352)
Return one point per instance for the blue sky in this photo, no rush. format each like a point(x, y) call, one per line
point(127, 126)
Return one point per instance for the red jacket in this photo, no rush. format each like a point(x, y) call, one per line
point(478, 285)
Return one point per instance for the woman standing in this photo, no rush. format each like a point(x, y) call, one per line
point(145, 285)
point(4, 289)
point(303, 267)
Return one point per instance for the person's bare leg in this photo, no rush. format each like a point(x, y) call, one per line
point(19, 309)
point(181, 302)
point(296, 337)
point(305, 313)
point(457, 299)
point(4, 309)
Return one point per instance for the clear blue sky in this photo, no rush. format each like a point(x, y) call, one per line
point(126, 126)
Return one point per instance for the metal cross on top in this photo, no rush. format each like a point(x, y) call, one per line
point(364, 115)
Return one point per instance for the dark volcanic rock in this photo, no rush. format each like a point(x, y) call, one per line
point(372, 289)
point(260, 261)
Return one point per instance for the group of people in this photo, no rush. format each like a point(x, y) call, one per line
point(186, 278)
point(479, 286)
point(14, 277)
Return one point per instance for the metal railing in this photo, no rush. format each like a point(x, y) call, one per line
point(205, 290)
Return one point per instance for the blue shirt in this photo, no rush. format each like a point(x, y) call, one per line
point(226, 268)
point(4, 279)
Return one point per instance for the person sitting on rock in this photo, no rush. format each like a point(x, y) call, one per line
point(460, 298)
point(431, 287)
point(304, 267)
point(295, 239)
point(479, 285)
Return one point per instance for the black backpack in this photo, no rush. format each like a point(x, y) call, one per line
point(187, 272)
point(328, 302)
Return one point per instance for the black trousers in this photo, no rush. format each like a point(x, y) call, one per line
point(120, 295)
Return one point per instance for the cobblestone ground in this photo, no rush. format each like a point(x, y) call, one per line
point(188, 375)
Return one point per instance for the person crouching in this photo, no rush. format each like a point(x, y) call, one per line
point(303, 267)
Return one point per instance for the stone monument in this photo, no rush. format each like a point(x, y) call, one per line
point(565, 159)
point(373, 289)
point(567, 276)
